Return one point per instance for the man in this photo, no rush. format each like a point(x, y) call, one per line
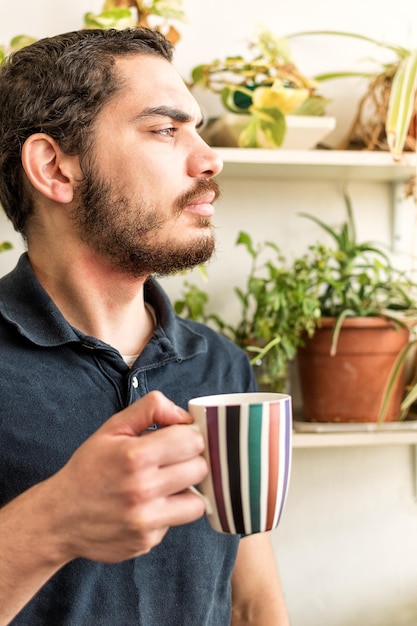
point(104, 173)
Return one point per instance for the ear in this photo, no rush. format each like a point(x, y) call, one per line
point(48, 169)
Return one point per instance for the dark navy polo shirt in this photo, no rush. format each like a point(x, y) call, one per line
point(57, 386)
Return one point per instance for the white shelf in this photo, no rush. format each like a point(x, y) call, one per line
point(340, 165)
point(344, 439)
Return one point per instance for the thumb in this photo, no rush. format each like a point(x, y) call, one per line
point(154, 408)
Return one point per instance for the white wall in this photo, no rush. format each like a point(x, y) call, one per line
point(347, 543)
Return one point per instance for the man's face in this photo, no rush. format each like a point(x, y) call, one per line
point(145, 204)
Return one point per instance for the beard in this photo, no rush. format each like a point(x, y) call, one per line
point(127, 233)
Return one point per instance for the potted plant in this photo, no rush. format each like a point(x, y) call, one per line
point(160, 15)
point(278, 311)
point(386, 116)
point(362, 299)
point(322, 300)
point(262, 95)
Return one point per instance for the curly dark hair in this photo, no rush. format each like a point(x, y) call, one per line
point(57, 86)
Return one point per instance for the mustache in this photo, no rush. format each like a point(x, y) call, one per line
point(201, 187)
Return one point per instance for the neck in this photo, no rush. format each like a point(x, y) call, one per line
point(97, 299)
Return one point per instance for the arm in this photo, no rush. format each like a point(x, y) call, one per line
point(256, 590)
point(115, 499)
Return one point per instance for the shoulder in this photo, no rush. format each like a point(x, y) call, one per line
point(216, 341)
point(221, 360)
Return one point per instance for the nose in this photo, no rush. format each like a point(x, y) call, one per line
point(204, 161)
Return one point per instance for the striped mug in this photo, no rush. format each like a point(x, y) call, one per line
point(248, 451)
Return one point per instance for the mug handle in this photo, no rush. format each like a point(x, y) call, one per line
point(207, 504)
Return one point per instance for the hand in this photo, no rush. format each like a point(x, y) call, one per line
point(120, 492)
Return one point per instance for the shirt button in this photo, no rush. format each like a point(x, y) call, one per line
point(135, 382)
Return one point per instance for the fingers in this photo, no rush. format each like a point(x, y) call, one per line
point(166, 446)
point(120, 492)
point(147, 529)
point(154, 408)
point(128, 515)
point(151, 482)
point(181, 508)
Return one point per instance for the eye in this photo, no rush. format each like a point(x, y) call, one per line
point(167, 132)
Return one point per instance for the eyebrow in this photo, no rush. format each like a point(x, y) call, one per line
point(174, 114)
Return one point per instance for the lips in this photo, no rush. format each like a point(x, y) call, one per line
point(199, 200)
point(202, 205)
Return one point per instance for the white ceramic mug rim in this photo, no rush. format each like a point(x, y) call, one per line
point(232, 399)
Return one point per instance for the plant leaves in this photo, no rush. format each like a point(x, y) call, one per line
point(266, 129)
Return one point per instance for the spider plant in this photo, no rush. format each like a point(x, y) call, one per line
point(393, 92)
point(356, 279)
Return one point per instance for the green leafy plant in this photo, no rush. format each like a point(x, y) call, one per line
point(278, 309)
point(386, 117)
point(160, 15)
point(267, 85)
point(282, 303)
point(5, 245)
point(17, 42)
point(357, 279)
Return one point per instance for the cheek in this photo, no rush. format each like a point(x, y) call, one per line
point(146, 177)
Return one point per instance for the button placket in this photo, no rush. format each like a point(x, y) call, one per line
point(137, 386)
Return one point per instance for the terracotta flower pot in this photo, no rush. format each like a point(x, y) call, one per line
point(349, 386)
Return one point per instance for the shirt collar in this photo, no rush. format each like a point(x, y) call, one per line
point(26, 305)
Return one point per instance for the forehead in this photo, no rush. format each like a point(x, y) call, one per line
point(149, 80)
